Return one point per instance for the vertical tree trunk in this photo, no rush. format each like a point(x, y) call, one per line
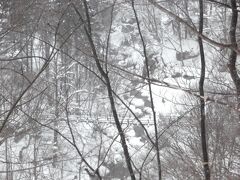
point(55, 124)
point(6, 159)
point(233, 55)
point(9, 173)
point(35, 152)
point(88, 31)
point(202, 99)
point(156, 144)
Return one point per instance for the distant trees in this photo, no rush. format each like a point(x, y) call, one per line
point(119, 89)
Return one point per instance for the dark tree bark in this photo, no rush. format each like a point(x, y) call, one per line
point(156, 144)
point(233, 55)
point(202, 99)
point(87, 29)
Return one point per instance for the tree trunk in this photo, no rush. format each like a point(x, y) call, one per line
point(233, 55)
point(202, 99)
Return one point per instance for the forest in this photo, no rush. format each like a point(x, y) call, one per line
point(119, 90)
